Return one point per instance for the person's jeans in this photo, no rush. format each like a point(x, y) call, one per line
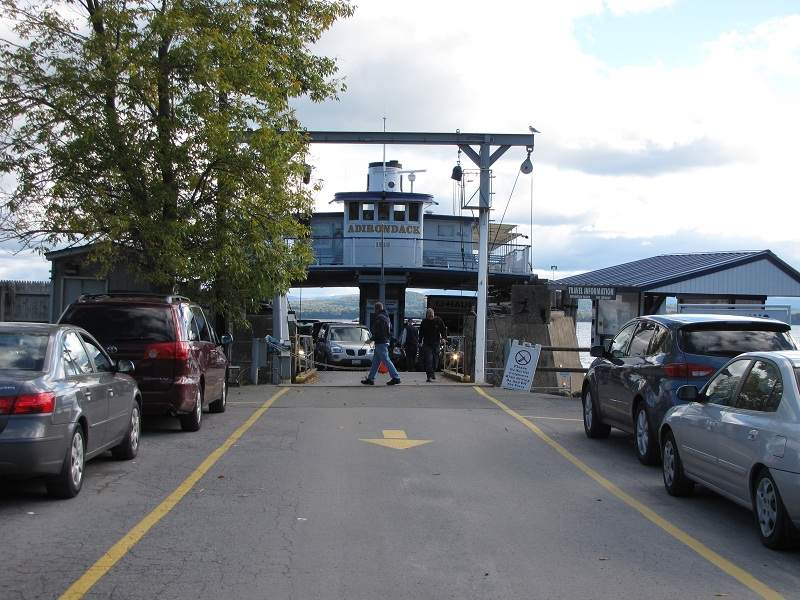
point(382, 354)
point(430, 354)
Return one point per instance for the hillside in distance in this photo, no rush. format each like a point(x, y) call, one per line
point(345, 308)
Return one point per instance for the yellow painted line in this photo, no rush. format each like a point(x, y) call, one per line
point(104, 564)
point(395, 434)
point(717, 560)
point(550, 418)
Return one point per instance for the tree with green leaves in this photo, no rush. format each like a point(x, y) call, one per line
point(161, 133)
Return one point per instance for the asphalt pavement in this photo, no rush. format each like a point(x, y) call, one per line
point(408, 492)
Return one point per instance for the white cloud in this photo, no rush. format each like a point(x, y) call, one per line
point(24, 266)
point(633, 158)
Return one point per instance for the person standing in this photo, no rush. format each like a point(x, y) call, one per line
point(432, 330)
point(381, 332)
point(409, 340)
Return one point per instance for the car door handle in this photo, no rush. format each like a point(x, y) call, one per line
point(752, 434)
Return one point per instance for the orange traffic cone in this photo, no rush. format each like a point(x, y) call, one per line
point(382, 368)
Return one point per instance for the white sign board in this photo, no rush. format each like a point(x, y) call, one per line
point(521, 365)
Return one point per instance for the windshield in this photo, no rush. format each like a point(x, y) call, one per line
point(730, 341)
point(123, 323)
point(23, 351)
point(349, 334)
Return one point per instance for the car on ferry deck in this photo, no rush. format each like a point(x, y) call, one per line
point(740, 436)
point(343, 345)
point(634, 380)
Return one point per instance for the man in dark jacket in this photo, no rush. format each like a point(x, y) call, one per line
point(381, 332)
point(409, 339)
point(432, 330)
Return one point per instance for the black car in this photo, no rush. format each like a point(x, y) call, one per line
point(634, 380)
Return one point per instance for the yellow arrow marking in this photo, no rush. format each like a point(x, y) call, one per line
point(396, 439)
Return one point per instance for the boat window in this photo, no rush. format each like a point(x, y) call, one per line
point(399, 212)
point(368, 212)
point(413, 213)
point(352, 210)
point(383, 211)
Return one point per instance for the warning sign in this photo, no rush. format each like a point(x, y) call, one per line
point(521, 365)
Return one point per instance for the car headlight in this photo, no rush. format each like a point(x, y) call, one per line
point(336, 349)
point(301, 352)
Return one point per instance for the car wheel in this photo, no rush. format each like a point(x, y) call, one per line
point(675, 479)
point(643, 437)
point(129, 447)
point(592, 425)
point(218, 406)
point(193, 420)
point(68, 482)
point(774, 526)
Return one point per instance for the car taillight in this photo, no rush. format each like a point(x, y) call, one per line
point(168, 351)
point(28, 404)
point(687, 370)
point(6, 403)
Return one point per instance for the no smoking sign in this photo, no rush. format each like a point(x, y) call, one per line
point(521, 365)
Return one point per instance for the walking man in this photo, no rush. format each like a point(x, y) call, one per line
point(432, 330)
point(381, 332)
point(409, 340)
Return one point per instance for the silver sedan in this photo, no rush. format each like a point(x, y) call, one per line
point(62, 402)
point(740, 437)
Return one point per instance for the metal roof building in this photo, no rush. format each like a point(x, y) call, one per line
point(643, 286)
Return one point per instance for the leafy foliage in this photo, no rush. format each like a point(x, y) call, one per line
point(162, 134)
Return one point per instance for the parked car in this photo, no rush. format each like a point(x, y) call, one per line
point(63, 401)
point(180, 364)
point(340, 344)
point(740, 436)
point(634, 380)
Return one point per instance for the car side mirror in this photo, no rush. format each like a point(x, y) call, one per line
point(597, 351)
point(125, 366)
point(226, 340)
point(688, 393)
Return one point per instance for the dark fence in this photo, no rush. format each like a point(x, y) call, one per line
point(27, 301)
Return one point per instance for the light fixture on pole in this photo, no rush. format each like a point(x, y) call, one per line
point(553, 269)
point(458, 172)
point(527, 166)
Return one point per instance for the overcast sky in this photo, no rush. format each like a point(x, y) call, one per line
point(667, 126)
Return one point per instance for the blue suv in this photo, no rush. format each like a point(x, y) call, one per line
point(635, 377)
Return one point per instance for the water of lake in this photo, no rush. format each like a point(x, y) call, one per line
point(583, 330)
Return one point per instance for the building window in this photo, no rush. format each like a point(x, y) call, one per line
point(368, 212)
point(446, 231)
point(413, 212)
point(352, 210)
point(399, 212)
point(383, 211)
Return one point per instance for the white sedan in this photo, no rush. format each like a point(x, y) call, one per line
point(740, 437)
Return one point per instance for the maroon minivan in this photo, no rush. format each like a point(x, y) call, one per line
point(179, 362)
